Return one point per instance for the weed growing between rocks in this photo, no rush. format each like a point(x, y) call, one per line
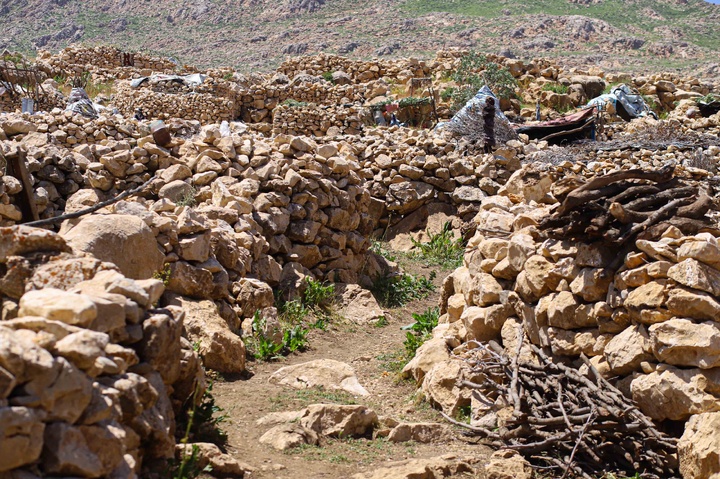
point(312, 311)
point(395, 291)
point(420, 331)
point(379, 248)
point(201, 423)
point(558, 88)
point(442, 249)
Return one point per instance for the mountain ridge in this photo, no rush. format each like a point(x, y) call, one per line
point(259, 34)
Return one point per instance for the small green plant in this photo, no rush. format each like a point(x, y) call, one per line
point(709, 98)
point(447, 94)
point(228, 76)
point(394, 291)
point(558, 88)
point(163, 274)
point(264, 348)
point(381, 322)
point(202, 424)
point(188, 199)
point(421, 330)
point(442, 249)
point(379, 248)
point(295, 338)
point(292, 103)
point(328, 76)
point(412, 101)
point(317, 294)
point(291, 312)
point(464, 414)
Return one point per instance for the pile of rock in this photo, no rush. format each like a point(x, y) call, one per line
point(74, 61)
point(91, 374)
point(650, 325)
point(314, 120)
point(212, 104)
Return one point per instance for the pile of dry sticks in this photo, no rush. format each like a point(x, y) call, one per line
point(622, 206)
point(565, 423)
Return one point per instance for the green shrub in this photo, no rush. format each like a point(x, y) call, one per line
point(264, 348)
point(476, 70)
point(295, 338)
point(420, 331)
point(394, 291)
point(442, 249)
point(292, 103)
point(558, 88)
point(317, 294)
point(188, 199)
point(413, 101)
point(328, 76)
point(447, 94)
point(163, 274)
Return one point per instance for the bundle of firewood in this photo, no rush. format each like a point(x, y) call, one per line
point(621, 206)
point(565, 423)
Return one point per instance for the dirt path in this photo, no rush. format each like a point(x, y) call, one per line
point(373, 352)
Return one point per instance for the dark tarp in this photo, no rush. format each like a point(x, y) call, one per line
point(571, 127)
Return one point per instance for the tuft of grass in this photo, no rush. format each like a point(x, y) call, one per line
point(317, 294)
point(395, 291)
point(328, 76)
point(442, 249)
point(421, 330)
point(558, 88)
point(380, 248)
point(381, 322)
point(188, 199)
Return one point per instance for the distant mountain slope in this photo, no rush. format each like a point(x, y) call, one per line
point(258, 34)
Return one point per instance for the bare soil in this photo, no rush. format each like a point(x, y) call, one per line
point(376, 354)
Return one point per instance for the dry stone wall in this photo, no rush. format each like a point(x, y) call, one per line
point(314, 120)
point(92, 375)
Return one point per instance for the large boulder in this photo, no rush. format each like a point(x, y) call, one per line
point(326, 373)
point(120, 239)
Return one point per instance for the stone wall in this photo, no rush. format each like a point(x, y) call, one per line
point(314, 120)
point(92, 376)
point(213, 105)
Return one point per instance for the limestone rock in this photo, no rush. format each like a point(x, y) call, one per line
point(335, 420)
point(58, 305)
point(682, 342)
point(693, 304)
point(627, 350)
point(326, 373)
point(431, 352)
point(422, 432)
point(220, 349)
point(112, 237)
point(434, 468)
point(699, 447)
point(21, 437)
point(358, 304)
point(288, 436)
point(696, 275)
point(673, 393)
point(508, 464)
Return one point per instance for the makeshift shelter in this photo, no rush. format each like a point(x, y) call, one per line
point(624, 102)
point(567, 128)
point(79, 102)
point(472, 121)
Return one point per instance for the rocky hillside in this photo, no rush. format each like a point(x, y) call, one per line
point(259, 34)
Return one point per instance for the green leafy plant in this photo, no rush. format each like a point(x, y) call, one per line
point(379, 248)
point(447, 94)
point(558, 88)
point(709, 98)
point(381, 322)
point(317, 294)
point(228, 76)
point(201, 424)
point(412, 101)
point(394, 291)
point(163, 274)
point(295, 338)
point(292, 103)
point(328, 76)
point(264, 348)
point(474, 71)
point(442, 249)
point(421, 330)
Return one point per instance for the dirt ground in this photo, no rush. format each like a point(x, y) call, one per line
point(375, 353)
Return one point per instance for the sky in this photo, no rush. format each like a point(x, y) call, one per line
point(713, 1)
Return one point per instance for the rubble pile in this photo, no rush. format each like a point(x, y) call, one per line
point(104, 61)
point(92, 374)
point(647, 322)
point(212, 102)
point(313, 120)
